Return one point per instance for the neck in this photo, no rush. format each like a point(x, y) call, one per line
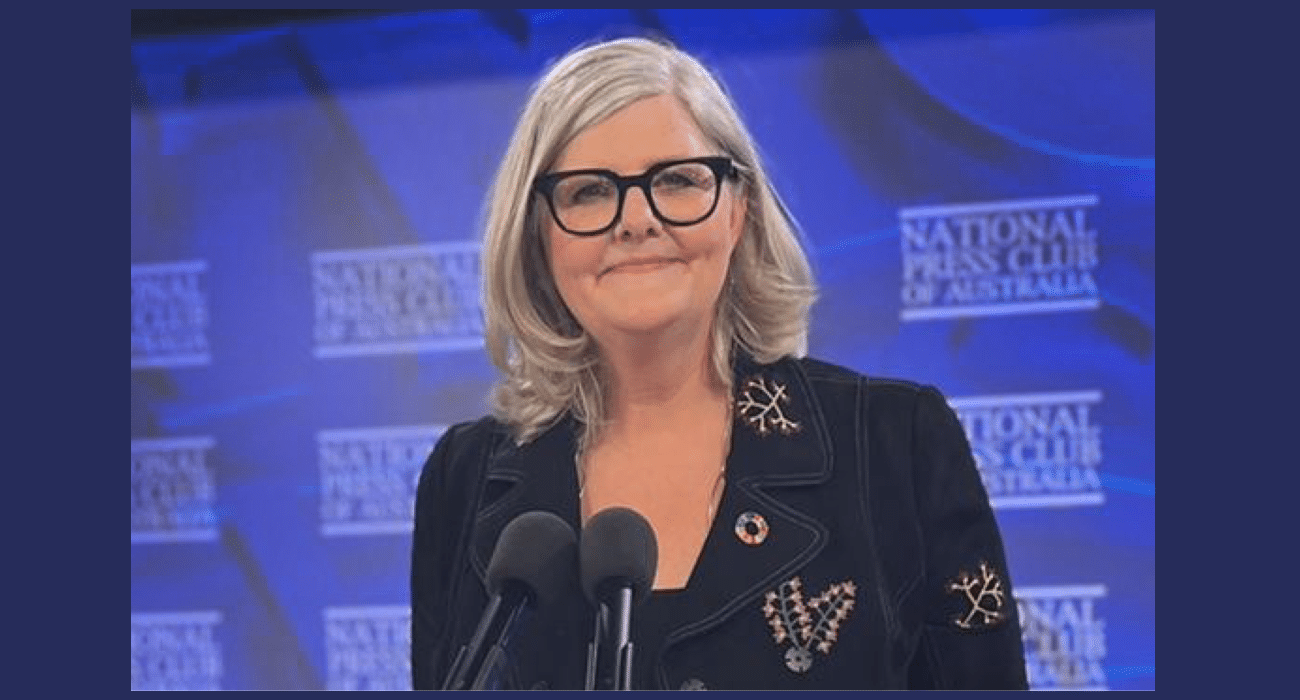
point(654, 380)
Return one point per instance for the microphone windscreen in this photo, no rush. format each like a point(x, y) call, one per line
point(618, 548)
point(536, 550)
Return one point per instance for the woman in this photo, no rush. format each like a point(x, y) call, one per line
point(647, 302)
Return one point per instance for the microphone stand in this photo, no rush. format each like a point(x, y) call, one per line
point(622, 641)
point(496, 656)
point(615, 629)
point(593, 647)
point(474, 665)
point(463, 664)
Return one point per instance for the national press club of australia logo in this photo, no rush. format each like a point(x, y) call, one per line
point(176, 650)
point(368, 647)
point(1064, 636)
point(1035, 450)
point(368, 477)
point(173, 490)
point(996, 258)
point(169, 314)
point(412, 298)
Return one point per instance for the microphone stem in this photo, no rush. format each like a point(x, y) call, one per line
point(497, 654)
point(464, 664)
point(622, 642)
point(593, 648)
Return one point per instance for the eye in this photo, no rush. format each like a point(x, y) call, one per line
point(686, 176)
point(583, 189)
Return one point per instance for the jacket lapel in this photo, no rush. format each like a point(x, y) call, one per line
point(520, 478)
point(778, 442)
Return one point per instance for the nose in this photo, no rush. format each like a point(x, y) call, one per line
point(638, 218)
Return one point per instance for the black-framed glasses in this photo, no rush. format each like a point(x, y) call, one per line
point(681, 192)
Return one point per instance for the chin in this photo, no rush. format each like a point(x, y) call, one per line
point(652, 319)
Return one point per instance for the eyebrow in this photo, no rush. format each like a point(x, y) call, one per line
point(647, 166)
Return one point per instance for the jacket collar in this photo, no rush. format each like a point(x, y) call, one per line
point(778, 441)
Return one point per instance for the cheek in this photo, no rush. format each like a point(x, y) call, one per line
point(571, 258)
point(558, 255)
point(720, 238)
point(717, 247)
point(724, 245)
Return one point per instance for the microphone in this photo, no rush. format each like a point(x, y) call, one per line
point(533, 563)
point(617, 557)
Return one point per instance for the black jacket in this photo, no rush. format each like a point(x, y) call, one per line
point(880, 564)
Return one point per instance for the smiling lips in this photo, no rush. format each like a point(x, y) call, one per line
point(639, 265)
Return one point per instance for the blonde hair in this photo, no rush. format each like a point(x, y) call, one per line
point(550, 364)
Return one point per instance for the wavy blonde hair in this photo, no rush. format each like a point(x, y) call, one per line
point(549, 363)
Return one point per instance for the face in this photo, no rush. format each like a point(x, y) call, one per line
point(643, 275)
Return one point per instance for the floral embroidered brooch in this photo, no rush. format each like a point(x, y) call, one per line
point(807, 626)
point(984, 599)
point(762, 405)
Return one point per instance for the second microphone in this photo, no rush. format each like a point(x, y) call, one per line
point(617, 556)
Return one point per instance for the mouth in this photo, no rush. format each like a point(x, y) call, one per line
point(643, 265)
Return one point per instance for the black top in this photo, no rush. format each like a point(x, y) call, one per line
point(878, 562)
point(651, 623)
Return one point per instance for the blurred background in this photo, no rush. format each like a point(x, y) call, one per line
point(977, 193)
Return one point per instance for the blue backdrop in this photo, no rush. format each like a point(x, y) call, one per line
point(977, 187)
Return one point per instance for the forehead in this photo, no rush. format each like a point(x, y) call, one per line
point(637, 136)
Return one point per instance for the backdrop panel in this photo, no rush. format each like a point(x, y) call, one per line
point(977, 191)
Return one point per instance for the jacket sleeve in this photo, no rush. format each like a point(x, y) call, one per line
point(436, 536)
point(971, 637)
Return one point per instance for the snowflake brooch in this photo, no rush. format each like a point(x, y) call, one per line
point(984, 598)
point(762, 405)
